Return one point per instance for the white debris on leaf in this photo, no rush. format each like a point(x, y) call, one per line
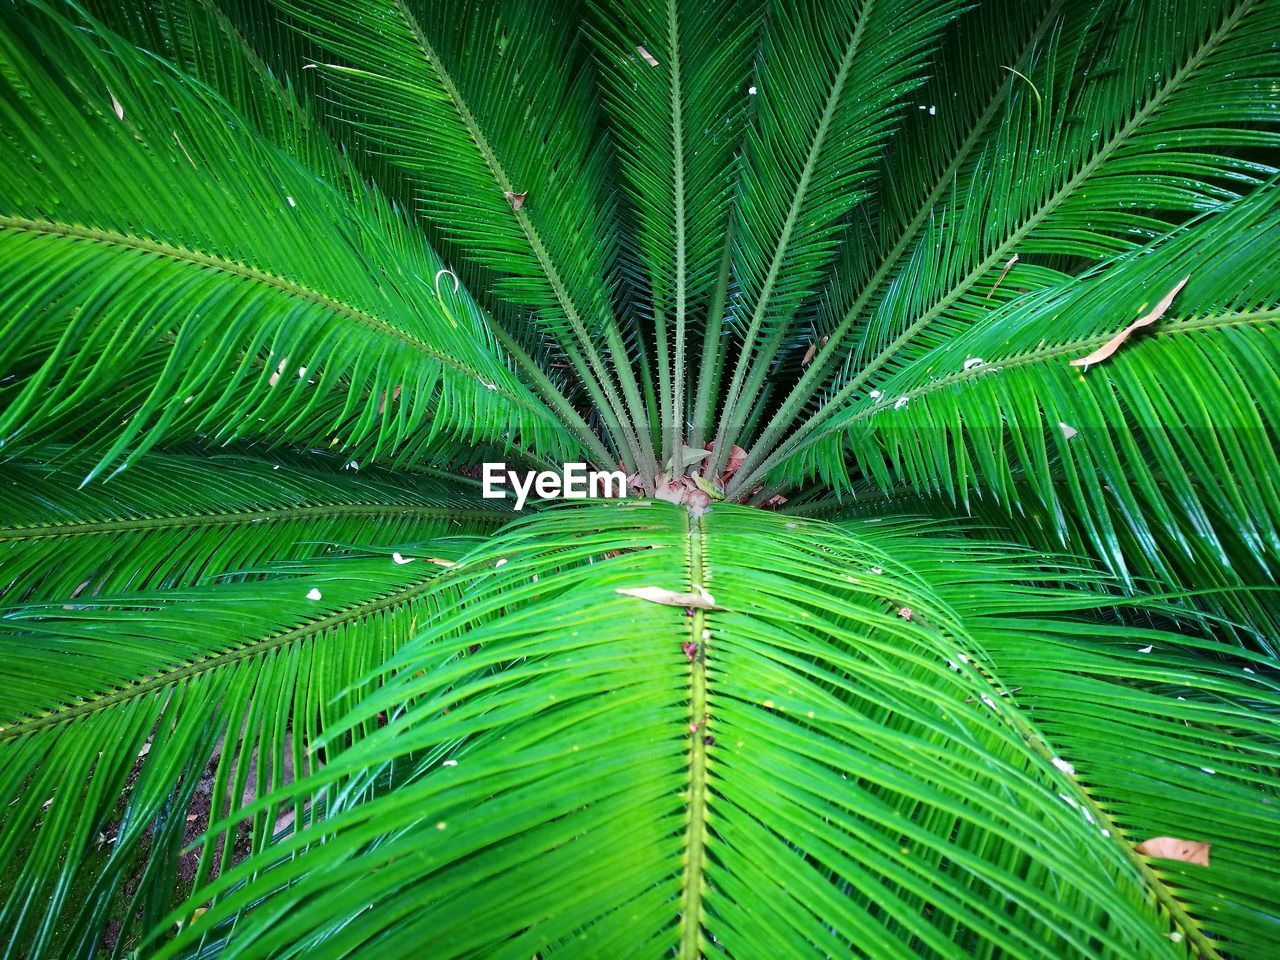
point(115, 105)
point(292, 202)
point(501, 561)
point(1176, 936)
point(1064, 766)
point(449, 763)
point(649, 58)
point(876, 570)
point(1067, 431)
point(314, 594)
point(353, 465)
point(875, 394)
point(1209, 770)
point(973, 362)
point(901, 402)
point(1069, 802)
point(441, 272)
point(400, 559)
point(751, 91)
point(1147, 649)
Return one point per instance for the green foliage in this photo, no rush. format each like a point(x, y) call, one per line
point(280, 275)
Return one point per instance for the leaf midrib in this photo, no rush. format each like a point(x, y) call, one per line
point(693, 881)
point(46, 531)
point(1249, 318)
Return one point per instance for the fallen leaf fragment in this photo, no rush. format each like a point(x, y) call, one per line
point(649, 58)
point(401, 559)
point(115, 105)
point(1171, 848)
point(808, 355)
point(671, 598)
point(516, 199)
point(1003, 273)
point(443, 563)
point(314, 594)
point(1067, 431)
point(1148, 318)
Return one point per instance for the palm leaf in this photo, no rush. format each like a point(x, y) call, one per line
point(552, 255)
point(809, 154)
point(989, 286)
point(809, 719)
point(247, 680)
point(202, 304)
point(1157, 431)
point(1078, 169)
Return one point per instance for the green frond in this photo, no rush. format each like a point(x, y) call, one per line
point(1168, 438)
point(107, 735)
point(487, 148)
point(678, 115)
point(1081, 160)
point(194, 282)
point(831, 84)
point(807, 718)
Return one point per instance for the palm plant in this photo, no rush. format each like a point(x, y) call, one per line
point(941, 621)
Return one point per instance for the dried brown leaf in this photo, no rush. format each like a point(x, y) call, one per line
point(737, 457)
point(1003, 273)
point(516, 199)
point(1171, 848)
point(1148, 318)
point(671, 598)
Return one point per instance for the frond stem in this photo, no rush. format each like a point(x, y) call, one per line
point(693, 882)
